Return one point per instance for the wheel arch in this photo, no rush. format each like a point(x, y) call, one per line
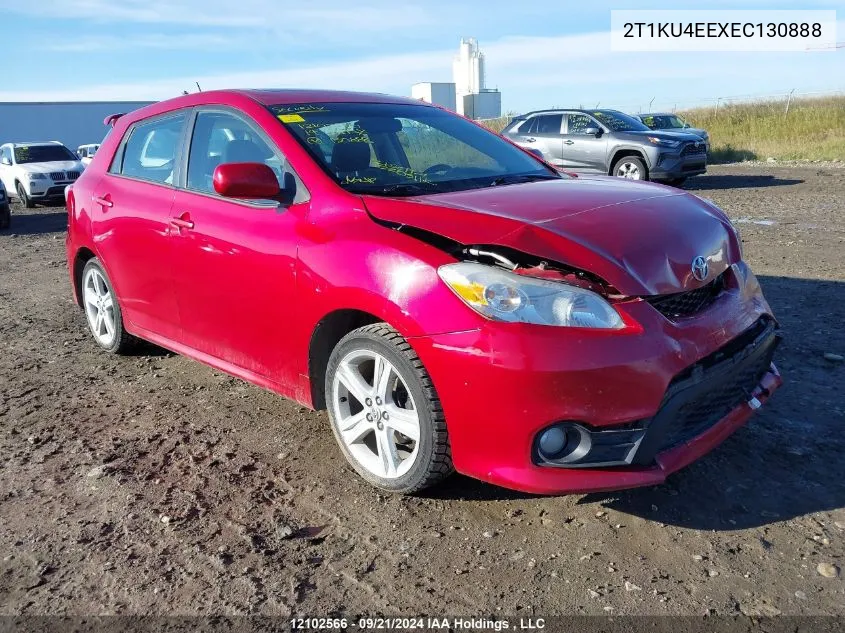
point(324, 338)
point(83, 256)
point(622, 152)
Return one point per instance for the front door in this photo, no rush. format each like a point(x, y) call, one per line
point(6, 170)
point(235, 260)
point(584, 152)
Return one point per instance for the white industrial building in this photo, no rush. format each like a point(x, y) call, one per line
point(73, 123)
point(442, 94)
point(467, 94)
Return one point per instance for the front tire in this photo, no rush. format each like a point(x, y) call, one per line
point(26, 201)
point(5, 217)
point(385, 413)
point(630, 168)
point(102, 311)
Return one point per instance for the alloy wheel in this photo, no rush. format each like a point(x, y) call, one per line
point(628, 170)
point(375, 414)
point(99, 307)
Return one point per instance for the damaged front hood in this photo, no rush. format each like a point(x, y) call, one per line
point(638, 237)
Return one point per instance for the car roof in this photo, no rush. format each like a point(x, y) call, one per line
point(34, 143)
point(564, 110)
point(657, 114)
point(286, 96)
point(265, 97)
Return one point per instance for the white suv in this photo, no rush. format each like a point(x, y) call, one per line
point(86, 152)
point(5, 211)
point(38, 172)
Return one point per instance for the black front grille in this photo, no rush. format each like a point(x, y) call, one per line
point(684, 304)
point(696, 416)
point(72, 175)
point(58, 175)
point(694, 148)
point(706, 392)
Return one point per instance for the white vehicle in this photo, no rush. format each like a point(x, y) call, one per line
point(5, 210)
point(86, 152)
point(38, 172)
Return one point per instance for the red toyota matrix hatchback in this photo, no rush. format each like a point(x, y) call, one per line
point(454, 302)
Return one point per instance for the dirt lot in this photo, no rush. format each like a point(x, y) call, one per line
point(152, 484)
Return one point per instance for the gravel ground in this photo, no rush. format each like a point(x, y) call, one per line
point(151, 484)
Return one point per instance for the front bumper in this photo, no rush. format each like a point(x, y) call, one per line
point(667, 165)
point(502, 384)
point(47, 189)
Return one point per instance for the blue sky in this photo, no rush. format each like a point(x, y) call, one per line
point(554, 53)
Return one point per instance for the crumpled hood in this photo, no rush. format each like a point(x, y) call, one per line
point(639, 237)
point(53, 166)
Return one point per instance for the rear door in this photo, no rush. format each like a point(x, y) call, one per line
point(130, 214)
point(581, 151)
point(236, 258)
point(542, 132)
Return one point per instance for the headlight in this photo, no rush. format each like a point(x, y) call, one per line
point(505, 296)
point(37, 176)
point(663, 141)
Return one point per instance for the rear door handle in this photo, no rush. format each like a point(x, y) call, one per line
point(104, 201)
point(531, 140)
point(568, 142)
point(182, 222)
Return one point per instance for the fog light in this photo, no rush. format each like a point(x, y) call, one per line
point(552, 442)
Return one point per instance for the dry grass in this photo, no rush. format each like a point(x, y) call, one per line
point(814, 129)
point(497, 125)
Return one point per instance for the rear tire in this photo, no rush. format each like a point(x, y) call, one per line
point(385, 413)
point(26, 201)
point(5, 217)
point(102, 310)
point(630, 168)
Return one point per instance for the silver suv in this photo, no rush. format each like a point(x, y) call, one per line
point(609, 142)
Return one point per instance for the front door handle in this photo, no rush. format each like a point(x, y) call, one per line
point(531, 140)
point(568, 142)
point(104, 201)
point(182, 222)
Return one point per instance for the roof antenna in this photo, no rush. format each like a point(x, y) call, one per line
point(198, 86)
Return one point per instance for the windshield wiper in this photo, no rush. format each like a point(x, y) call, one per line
point(519, 178)
point(400, 189)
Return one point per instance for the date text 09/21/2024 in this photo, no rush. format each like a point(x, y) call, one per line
point(431, 623)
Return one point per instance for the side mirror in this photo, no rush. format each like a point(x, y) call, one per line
point(246, 181)
point(592, 131)
point(687, 125)
point(5, 161)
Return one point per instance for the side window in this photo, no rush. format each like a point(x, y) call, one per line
point(223, 138)
point(6, 154)
point(150, 152)
point(579, 122)
point(547, 124)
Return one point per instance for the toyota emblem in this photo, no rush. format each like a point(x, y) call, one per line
point(699, 268)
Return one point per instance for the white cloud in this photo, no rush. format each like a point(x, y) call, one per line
point(532, 72)
point(198, 41)
point(272, 15)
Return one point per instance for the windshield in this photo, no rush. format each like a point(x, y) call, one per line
point(619, 122)
point(663, 121)
point(42, 153)
point(399, 149)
